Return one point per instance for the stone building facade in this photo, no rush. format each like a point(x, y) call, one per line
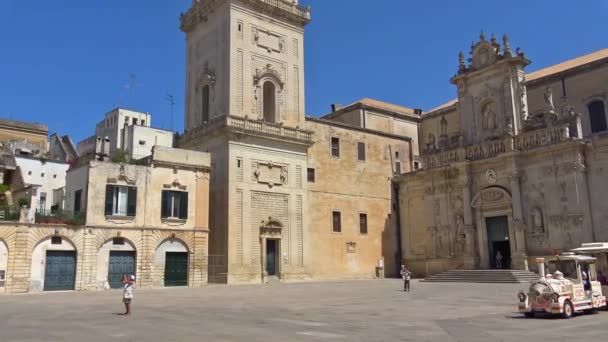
point(277, 185)
point(515, 165)
point(150, 220)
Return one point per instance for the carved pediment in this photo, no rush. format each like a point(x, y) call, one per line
point(491, 196)
point(176, 185)
point(268, 72)
point(121, 178)
point(271, 227)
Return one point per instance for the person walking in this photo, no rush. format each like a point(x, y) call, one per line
point(498, 260)
point(127, 293)
point(407, 276)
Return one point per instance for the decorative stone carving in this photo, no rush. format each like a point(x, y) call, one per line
point(351, 247)
point(491, 176)
point(122, 177)
point(270, 173)
point(549, 100)
point(488, 120)
point(537, 221)
point(492, 196)
point(175, 184)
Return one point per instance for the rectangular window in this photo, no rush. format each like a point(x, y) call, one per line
point(174, 205)
point(121, 200)
point(77, 200)
point(363, 223)
point(143, 122)
point(56, 240)
point(118, 241)
point(142, 142)
point(361, 151)
point(135, 121)
point(396, 154)
point(398, 168)
point(310, 175)
point(335, 147)
point(337, 221)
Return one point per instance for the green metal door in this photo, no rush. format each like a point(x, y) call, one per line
point(176, 269)
point(60, 270)
point(120, 263)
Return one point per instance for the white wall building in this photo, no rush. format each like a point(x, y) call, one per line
point(46, 177)
point(129, 131)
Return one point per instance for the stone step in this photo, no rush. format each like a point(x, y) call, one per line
point(483, 276)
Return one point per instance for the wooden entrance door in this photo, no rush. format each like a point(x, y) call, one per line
point(120, 263)
point(176, 269)
point(271, 257)
point(60, 270)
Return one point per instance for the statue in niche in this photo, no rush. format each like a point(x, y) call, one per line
point(430, 145)
point(488, 116)
point(549, 99)
point(537, 220)
point(444, 126)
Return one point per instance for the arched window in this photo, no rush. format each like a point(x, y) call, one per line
point(205, 104)
point(597, 116)
point(269, 102)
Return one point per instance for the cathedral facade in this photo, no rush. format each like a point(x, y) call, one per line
point(513, 169)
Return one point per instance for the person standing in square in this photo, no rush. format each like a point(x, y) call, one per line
point(127, 293)
point(407, 276)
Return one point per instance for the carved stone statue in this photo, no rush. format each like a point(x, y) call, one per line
point(444, 126)
point(549, 99)
point(488, 117)
point(537, 220)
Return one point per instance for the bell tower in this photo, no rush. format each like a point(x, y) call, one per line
point(244, 59)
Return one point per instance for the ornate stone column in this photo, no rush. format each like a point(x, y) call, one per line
point(519, 256)
point(466, 200)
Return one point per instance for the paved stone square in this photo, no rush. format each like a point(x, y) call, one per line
point(324, 311)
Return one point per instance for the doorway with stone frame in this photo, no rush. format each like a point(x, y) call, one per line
point(270, 241)
point(493, 208)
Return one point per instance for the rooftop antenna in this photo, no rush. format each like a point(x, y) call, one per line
point(171, 101)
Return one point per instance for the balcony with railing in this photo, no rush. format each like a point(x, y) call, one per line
point(488, 149)
point(248, 126)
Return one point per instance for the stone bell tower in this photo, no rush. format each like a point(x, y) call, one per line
point(245, 105)
point(244, 58)
point(491, 90)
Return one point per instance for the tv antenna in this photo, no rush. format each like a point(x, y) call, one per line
point(171, 101)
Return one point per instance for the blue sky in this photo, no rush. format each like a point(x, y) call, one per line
point(65, 63)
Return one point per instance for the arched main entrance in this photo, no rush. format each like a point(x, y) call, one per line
point(498, 241)
point(171, 261)
point(270, 240)
point(115, 258)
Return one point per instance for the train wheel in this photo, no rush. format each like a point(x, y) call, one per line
point(568, 310)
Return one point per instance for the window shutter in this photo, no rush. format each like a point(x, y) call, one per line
point(164, 205)
point(109, 193)
point(183, 210)
point(132, 202)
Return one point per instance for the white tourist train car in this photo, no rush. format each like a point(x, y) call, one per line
point(570, 286)
point(598, 250)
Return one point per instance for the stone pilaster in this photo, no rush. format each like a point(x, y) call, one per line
point(86, 269)
point(198, 259)
point(19, 267)
point(519, 259)
point(146, 256)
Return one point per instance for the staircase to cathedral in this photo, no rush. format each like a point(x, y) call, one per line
point(483, 276)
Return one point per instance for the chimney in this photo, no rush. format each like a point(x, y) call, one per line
point(335, 107)
point(418, 111)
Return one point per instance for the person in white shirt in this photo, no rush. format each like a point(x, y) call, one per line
point(127, 293)
point(407, 276)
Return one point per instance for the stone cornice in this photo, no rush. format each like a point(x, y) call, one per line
point(277, 8)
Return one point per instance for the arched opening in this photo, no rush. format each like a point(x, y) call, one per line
point(205, 104)
point(53, 265)
point(115, 257)
point(597, 116)
point(270, 238)
point(3, 264)
point(269, 102)
point(171, 261)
